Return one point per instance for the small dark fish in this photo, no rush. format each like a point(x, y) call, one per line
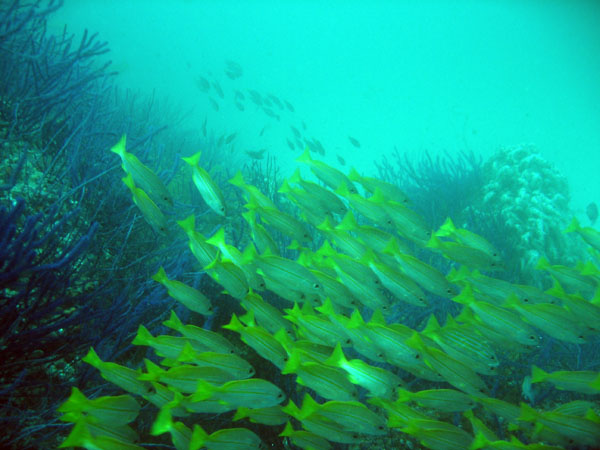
point(255, 97)
point(269, 112)
point(319, 147)
point(341, 160)
point(276, 101)
point(268, 103)
point(354, 142)
point(258, 154)
point(289, 106)
point(262, 130)
point(230, 138)
point(204, 127)
point(299, 144)
point(220, 141)
point(239, 106)
point(232, 75)
point(290, 144)
point(296, 132)
point(239, 95)
point(315, 146)
point(213, 103)
point(202, 83)
point(233, 66)
point(217, 87)
point(592, 212)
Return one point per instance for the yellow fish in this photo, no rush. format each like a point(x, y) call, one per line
point(208, 189)
point(142, 175)
point(327, 174)
point(225, 439)
point(191, 298)
point(251, 393)
point(152, 213)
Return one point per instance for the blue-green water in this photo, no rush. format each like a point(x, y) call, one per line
point(438, 76)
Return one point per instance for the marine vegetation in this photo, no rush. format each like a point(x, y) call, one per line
point(49, 311)
point(318, 351)
point(75, 257)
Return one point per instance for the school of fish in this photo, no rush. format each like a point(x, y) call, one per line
point(354, 375)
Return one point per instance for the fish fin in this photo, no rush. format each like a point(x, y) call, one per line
point(193, 160)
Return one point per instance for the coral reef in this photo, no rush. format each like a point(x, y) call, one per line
point(530, 198)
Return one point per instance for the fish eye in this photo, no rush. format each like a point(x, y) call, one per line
point(317, 286)
point(231, 351)
point(381, 427)
point(251, 371)
point(348, 341)
point(285, 358)
point(280, 395)
point(151, 390)
point(418, 356)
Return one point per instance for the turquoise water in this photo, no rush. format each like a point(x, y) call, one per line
point(437, 76)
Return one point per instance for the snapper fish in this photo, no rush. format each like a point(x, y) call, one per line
point(191, 298)
point(272, 416)
point(225, 439)
point(251, 392)
point(108, 410)
point(208, 189)
point(152, 213)
point(327, 174)
point(304, 439)
point(352, 416)
point(142, 175)
point(589, 235)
